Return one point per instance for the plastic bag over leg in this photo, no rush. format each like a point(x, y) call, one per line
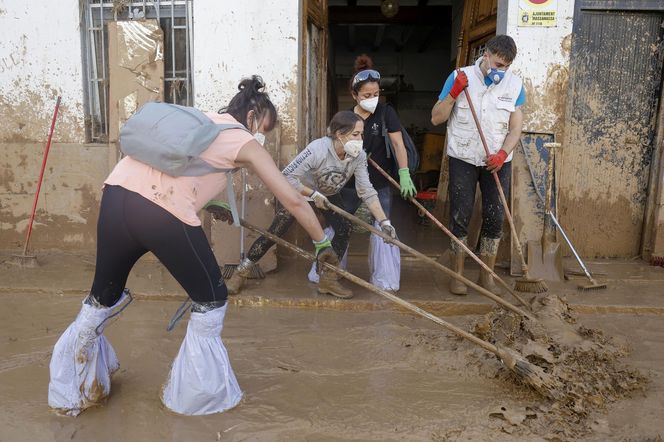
point(201, 380)
point(384, 263)
point(83, 361)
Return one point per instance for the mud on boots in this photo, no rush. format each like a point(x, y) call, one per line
point(329, 280)
point(488, 252)
point(83, 360)
point(457, 258)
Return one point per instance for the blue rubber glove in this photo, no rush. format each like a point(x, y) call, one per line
point(406, 183)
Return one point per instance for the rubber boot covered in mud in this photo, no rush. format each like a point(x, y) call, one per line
point(457, 258)
point(201, 380)
point(488, 252)
point(236, 281)
point(83, 360)
point(330, 284)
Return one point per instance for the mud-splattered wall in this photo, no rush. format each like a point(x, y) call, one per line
point(253, 37)
point(68, 206)
point(543, 63)
point(40, 58)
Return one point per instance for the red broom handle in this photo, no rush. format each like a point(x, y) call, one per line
point(41, 175)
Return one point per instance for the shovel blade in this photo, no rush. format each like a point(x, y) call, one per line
point(545, 263)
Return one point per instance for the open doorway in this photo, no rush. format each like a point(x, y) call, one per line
point(413, 44)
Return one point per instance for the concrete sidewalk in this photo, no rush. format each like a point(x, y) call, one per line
point(633, 286)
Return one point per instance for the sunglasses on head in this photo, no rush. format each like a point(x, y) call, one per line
point(367, 74)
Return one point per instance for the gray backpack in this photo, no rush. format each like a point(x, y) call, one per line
point(171, 138)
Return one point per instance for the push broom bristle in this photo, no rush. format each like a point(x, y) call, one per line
point(255, 271)
point(534, 376)
point(531, 374)
point(530, 285)
point(228, 270)
point(657, 260)
point(591, 286)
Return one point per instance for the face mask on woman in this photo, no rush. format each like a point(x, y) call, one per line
point(369, 104)
point(353, 147)
point(258, 136)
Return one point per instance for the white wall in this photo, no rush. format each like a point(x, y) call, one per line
point(543, 62)
point(252, 37)
point(40, 58)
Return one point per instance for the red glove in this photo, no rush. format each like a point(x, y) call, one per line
point(460, 83)
point(495, 162)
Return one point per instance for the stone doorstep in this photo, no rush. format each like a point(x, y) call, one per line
point(323, 302)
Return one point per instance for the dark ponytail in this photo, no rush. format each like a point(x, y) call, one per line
point(251, 97)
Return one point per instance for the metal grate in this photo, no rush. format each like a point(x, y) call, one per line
point(477, 52)
point(175, 19)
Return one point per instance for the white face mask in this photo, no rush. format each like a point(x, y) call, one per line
point(369, 104)
point(260, 137)
point(353, 147)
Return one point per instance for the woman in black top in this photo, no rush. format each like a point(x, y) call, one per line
point(365, 89)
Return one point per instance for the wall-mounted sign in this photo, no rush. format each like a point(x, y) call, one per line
point(537, 12)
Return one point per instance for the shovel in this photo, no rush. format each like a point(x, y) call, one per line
point(545, 259)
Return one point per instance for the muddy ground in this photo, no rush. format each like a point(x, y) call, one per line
point(309, 375)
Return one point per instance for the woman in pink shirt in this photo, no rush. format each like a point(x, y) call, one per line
point(144, 210)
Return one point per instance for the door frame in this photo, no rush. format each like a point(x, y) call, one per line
point(314, 12)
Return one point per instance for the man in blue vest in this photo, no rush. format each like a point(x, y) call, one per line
point(497, 95)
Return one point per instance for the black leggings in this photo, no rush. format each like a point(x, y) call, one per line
point(462, 185)
point(130, 226)
point(283, 220)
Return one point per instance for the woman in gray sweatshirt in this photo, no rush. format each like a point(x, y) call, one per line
point(319, 172)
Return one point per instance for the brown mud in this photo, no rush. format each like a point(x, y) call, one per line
point(589, 368)
point(314, 375)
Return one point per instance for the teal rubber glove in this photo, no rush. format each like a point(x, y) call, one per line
point(406, 183)
point(220, 211)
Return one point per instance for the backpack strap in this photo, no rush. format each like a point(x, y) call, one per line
point(230, 188)
point(224, 126)
point(230, 192)
point(388, 144)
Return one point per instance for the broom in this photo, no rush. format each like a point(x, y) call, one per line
point(530, 374)
point(450, 234)
point(526, 283)
point(255, 272)
point(24, 259)
point(593, 285)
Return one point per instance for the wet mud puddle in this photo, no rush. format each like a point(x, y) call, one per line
point(307, 375)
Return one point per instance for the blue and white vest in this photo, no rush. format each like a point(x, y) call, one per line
point(493, 105)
